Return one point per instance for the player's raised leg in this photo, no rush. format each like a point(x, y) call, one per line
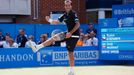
point(46, 43)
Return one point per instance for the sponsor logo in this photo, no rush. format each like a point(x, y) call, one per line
point(126, 57)
point(16, 57)
point(124, 11)
point(48, 57)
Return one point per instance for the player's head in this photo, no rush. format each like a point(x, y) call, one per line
point(68, 5)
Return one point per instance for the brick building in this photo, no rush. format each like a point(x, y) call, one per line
point(34, 11)
point(42, 8)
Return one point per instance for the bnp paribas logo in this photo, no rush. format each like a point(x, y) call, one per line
point(45, 57)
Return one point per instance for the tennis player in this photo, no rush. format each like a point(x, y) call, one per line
point(73, 24)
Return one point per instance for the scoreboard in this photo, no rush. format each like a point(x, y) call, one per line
point(117, 43)
point(116, 38)
point(116, 34)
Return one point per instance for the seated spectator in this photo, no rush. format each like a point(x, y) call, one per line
point(2, 38)
point(43, 38)
point(93, 41)
point(90, 29)
point(21, 38)
point(5, 43)
point(12, 44)
point(8, 43)
point(81, 31)
point(86, 37)
point(30, 38)
point(81, 40)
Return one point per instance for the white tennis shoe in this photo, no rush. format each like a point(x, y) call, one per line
point(71, 73)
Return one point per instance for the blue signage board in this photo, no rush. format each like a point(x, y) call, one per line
point(117, 43)
point(49, 56)
point(108, 23)
point(55, 56)
point(116, 22)
point(121, 11)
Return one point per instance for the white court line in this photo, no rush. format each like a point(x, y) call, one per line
point(90, 70)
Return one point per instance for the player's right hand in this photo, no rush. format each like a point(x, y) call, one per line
point(68, 35)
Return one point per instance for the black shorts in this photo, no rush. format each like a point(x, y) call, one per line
point(71, 44)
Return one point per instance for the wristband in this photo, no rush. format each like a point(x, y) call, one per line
point(50, 20)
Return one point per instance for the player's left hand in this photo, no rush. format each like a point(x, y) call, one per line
point(68, 35)
point(47, 18)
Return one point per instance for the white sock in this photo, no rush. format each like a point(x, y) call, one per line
point(39, 46)
point(71, 69)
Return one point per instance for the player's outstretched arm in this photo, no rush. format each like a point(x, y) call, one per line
point(51, 21)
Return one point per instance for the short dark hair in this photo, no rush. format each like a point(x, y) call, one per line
point(66, 1)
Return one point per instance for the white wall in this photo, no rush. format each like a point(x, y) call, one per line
point(15, 7)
